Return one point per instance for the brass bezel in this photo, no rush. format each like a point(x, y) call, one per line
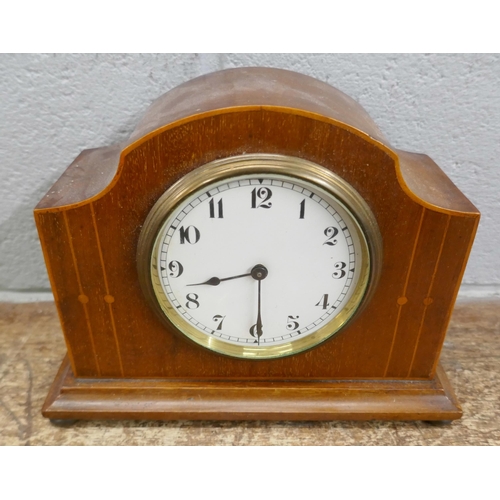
point(364, 224)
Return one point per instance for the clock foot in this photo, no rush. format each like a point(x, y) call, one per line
point(62, 422)
point(438, 423)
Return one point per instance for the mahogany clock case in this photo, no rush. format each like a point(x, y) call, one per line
point(123, 362)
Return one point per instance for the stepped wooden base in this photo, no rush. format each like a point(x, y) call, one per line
point(155, 399)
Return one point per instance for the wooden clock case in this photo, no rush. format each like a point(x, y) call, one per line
point(122, 362)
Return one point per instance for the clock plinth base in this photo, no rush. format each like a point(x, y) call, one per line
point(159, 399)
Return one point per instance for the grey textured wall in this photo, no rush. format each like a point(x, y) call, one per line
point(53, 106)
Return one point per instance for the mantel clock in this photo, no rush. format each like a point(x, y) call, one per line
point(255, 250)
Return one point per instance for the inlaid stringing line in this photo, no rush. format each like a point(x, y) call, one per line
point(110, 305)
point(412, 258)
point(447, 317)
point(429, 293)
point(77, 272)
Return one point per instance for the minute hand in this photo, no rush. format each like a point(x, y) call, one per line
point(216, 281)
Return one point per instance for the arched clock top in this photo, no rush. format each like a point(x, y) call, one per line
point(253, 91)
point(237, 88)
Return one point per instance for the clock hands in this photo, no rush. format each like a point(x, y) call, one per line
point(216, 281)
point(258, 325)
point(256, 273)
point(259, 272)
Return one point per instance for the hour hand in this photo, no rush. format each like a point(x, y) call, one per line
point(216, 281)
point(212, 282)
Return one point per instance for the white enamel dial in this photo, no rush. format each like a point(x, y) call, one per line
point(259, 265)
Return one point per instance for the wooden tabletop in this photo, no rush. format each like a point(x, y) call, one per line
point(32, 347)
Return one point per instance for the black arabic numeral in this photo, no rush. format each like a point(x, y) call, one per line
point(260, 196)
point(253, 333)
point(302, 209)
point(291, 323)
point(323, 302)
point(175, 268)
point(220, 319)
point(339, 273)
point(192, 301)
point(216, 209)
point(331, 232)
point(190, 234)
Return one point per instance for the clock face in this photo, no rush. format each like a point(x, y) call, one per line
point(259, 265)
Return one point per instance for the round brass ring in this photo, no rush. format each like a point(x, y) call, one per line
point(326, 181)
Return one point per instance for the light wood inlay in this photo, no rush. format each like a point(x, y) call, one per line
point(428, 300)
point(402, 300)
point(83, 299)
point(109, 299)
